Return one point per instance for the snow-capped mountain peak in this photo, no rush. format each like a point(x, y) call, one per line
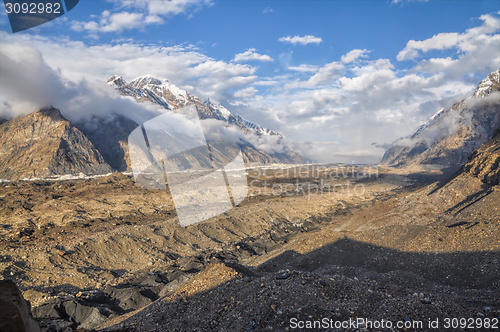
point(169, 96)
point(146, 80)
point(116, 81)
point(433, 119)
point(450, 135)
point(157, 86)
point(217, 107)
point(489, 85)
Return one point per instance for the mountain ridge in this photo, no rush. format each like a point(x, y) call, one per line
point(44, 144)
point(99, 145)
point(484, 163)
point(169, 96)
point(451, 135)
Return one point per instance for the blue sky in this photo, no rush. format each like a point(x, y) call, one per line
point(332, 76)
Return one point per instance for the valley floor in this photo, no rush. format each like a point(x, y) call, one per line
point(343, 243)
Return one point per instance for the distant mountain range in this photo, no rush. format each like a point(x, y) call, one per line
point(449, 136)
point(44, 143)
point(167, 95)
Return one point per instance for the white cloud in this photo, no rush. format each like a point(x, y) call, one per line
point(28, 84)
point(326, 73)
point(267, 10)
point(111, 23)
point(308, 39)
point(371, 66)
point(305, 68)
point(285, 59)
point(140, 13)
point(245, 93)
point(266, 83)
point(252, 55)
point(462, 42)
point(354, 55)
point(182, 65)
point(323, 75)
point(368, 80)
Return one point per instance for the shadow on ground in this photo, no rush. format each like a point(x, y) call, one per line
point(345, 279)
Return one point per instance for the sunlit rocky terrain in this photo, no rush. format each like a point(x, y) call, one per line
point(412, 239)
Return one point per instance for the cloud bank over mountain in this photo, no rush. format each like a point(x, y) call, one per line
point(28, 84)
point(346, 103)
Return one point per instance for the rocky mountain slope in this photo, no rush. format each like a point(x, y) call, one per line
point(484, 163)
point(450, 136)
point(110, 137)
point(44, 144)
point(170, 97)
point(411, 257)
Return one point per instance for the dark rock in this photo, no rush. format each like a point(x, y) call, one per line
point(15, 311)
point(49, 310)
point(78, 312)
point(283, 276)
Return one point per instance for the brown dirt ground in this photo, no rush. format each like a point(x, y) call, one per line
point(92, 252)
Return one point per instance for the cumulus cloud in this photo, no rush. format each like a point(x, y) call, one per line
point(246, 93)
point(483, 59)
point(140, 13)
point(184, 65)
point(463, 42)
point(28, 84)
point(355, 104)
point(304, 40)
point(111, 22)
point(164, 8)
point(305, 68)
point(476, 52)
point(252, 55)
point(449, 122)
point(354, 55)
point(324, 75)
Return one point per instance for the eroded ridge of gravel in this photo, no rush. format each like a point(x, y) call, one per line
point(269, 301)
